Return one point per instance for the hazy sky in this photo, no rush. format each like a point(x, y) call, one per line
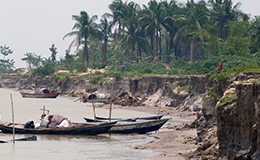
point(34, 25)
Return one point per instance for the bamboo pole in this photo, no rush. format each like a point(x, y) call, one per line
point(13, 117)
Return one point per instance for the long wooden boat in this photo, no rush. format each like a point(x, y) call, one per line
point(150, 117)
point(138, 127)
point(118, 119)
point(131, 119)
point(36, 95)
point(75, 129)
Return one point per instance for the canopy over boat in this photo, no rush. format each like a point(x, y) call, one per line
point(42, 91)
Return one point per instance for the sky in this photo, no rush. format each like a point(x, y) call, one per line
point(34, 25)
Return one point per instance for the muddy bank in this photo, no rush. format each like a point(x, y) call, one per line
point(173, 140)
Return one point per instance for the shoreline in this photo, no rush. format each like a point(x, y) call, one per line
point(171, 141)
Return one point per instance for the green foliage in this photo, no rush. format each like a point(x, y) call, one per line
point(173, 72)
point(5, 50)
point(61, 77)
point(183, 88)
point(213, 95)
point(47, 69)
point(95, 80)
point(118, 75)
point(53, 50)
point(6, 65)
point(228, 100)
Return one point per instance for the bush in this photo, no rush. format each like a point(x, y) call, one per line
point(47, 69)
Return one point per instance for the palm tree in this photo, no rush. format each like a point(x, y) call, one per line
point(83, 28)
point(130, 22)
point(171, 10)
point(118, 9)
point(151, 20)
point(191, 21)
point(255, 34)
point(105, 29)
point(222, 12)
point(29, 58)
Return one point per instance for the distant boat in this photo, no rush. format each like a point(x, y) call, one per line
point(75, 129)
point(138, 127)
point(42, 93)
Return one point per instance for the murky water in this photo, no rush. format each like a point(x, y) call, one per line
point(64, 147)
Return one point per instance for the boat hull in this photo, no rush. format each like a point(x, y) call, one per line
point(76, 129)
point(131, 119)
point(138, 127)
point(33, 95)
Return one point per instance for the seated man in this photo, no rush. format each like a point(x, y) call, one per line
point(29, 124)
point(50, 121)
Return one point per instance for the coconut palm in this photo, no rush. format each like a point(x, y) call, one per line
point(105, 29)
point(222, 12)
point(84, 27)
point(190, 31)
point(118, 9)
point(130, 22)
point(171, 10)
point(255, 32)
point(151, 20)
point(29, 58)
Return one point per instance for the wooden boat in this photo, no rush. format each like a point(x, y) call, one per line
point(33, 95)
point(138, 127)
point(92, 120)
point(150, 117)
point(131, 119)
point(119, 119)
point(76, 129)
point(42, 93)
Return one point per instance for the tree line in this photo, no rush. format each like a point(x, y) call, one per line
point(163, 32)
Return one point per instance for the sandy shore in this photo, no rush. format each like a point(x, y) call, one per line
point(171, 142)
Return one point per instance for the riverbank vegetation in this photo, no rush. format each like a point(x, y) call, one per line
point(159, 38)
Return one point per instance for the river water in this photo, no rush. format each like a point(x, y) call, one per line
point(104, 146)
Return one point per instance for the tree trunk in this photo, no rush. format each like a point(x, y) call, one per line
point(133, 46)
point(167, 51)
point(191, 51)
point(152, 44)
point(139, 54)
point(157, 43)
point(160, 45)
point(122, 54)
point(86, 52)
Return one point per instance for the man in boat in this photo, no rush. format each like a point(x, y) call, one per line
point(29, 124)
point(50, 121)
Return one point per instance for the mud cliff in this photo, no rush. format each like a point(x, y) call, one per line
point(229, 121)
point(236, 116)
point(186, 93)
